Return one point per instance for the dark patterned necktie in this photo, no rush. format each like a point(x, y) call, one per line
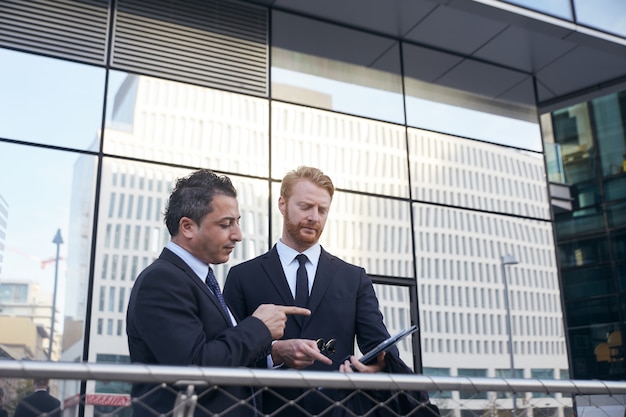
point(211, 282)
point(302, 282)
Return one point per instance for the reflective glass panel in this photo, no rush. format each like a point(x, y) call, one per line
point(132, 233)
point(610, 131)
point(449, 94)
point(587, 282)
point(621, 276)
point(166, 121)
point(569, 143)
point(592, 312)
point(394, 304)
point(50, 101)
point(335, 68)
point(605, 15)
point(615, 188)
point(559, 8)
point(618, 244)
point(616, 214)
point(587, 215)
point(358, 154)
point(461, 288)
point(589, 346)
point(583, 252)
point(46, 212)
point(478, 175)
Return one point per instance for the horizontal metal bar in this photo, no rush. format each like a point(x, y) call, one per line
point(293, 378)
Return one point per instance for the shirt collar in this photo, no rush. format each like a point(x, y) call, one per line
point(200, 268)
point(289, 254)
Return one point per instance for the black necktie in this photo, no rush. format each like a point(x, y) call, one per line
point(302, 282)
point(211, 282)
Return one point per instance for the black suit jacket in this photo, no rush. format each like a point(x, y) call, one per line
point(38, 403)
point(342, 303)
point(174, 319)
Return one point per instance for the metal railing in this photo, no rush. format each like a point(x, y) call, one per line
point(455, 396)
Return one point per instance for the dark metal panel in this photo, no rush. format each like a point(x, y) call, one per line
point(580, 68)
point(455, 30)
point(63, 28)
point(218, 44)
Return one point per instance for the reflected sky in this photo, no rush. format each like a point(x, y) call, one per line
point(470, 123)
point(345, 97)
point(607, 15)
point(50, 101)
point(559, 8)
point(37, 185)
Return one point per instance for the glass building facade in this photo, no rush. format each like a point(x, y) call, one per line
point(434, 141)
point(587, 144)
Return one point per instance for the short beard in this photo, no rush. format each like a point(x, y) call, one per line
point(293, 231)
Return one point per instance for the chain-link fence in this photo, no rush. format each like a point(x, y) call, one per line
point(104, 390)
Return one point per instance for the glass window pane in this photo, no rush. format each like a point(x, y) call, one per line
point(615, 188)
point(394, 304)
point(610, 130)
point(50, 101)
point(460, 277)
point(605, 15)
point(45, 241)
point(587, 282)
point(450, 94)
point(590, 352)
point(166, 121)
point(621, 276)
point(335, 68)
point(478, 175)
point(592, 312)
point(618, 243)
point(358, 154)
point(571, 141)
point(583, 252)
point(616, 214)
point(558, 8)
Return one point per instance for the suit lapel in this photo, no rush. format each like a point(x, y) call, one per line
point(170, 256)
point(275, 274)
point(323, 277)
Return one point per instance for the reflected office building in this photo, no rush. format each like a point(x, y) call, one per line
point(457, 259)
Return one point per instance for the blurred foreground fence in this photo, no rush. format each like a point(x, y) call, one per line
point(97, 389)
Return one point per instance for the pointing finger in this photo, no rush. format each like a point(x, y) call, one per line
point(295, 310)
point(317, 356)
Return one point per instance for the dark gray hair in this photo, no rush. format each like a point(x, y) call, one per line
point(192, 197)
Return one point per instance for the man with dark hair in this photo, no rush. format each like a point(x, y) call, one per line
point(176, 312)
point(39, 402)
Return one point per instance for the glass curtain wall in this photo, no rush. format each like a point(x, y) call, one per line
point(435, 182)
point(587, 145)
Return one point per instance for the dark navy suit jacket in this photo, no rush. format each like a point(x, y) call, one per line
point(38, 403)
point(174, 319)
point(342, 303)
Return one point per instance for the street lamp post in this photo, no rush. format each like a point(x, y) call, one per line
point(504, 261)
point(58, 240)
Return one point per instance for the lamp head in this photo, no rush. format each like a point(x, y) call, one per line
point(508, 260)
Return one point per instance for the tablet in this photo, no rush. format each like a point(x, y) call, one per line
point(370, 356)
